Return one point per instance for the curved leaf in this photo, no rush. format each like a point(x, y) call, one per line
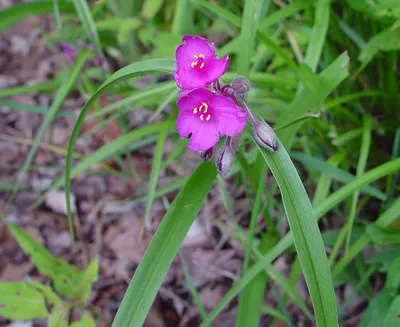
point(287, 240)
point(141, 68)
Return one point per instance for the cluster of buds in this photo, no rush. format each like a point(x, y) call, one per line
point(209, 110)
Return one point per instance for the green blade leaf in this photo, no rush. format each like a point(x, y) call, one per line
point(337, 173)
point(108, 150)
point(85, 16)
point(141, 68)
point(20, 301)
point(251, 16)
point(328, 79)
point(163, 248)
point(306, 235)
point(392, 318)
point(287, 240)
point(11, 15)
point(387, 40)
point(284, 12)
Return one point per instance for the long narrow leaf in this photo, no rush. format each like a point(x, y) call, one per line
point(58, 100)
point(287, 241)
point(163, 248)
point(306, 235)
point(140, 68)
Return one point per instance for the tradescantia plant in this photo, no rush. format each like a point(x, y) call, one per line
point(208, 111)
point(206, 114)
point(296, 54)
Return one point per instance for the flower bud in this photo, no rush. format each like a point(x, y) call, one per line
point(265, 136)
point(235, 142)
point(208, 154)
point(240, 85)
point(224, 159)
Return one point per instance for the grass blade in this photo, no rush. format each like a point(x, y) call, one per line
point(251, 16)
point(85, 16)
point(140, 68)
point(337, 173)
point(384, 220)
point(58, 100)
point(192, 287)
point(318, 34)
point(40, 87)
point(362, 162)
point(287, 241)
point(183, 18)
point(250, 300)
point(163, 248)
point(155, 171)
point(306, 235)
point(11, 15)
point(107, 151)
point(284, 12)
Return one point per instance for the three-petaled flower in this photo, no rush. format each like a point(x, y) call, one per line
point(197, 63)
point(205, 115)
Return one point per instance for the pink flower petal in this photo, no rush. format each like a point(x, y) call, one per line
point(217, 67)
point(230, 119)
point(197, 64)
point(203, 135)
point(195, 45)
point(188, 100)
point(186, 124)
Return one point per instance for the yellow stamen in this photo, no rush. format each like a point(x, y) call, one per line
point(195, 110)
point(195, 57)
point(193, 64)
point(201, 117)
point(205, 106)
point(201, 56)
point(201, 107)
point(202, 65)
point(208, 117)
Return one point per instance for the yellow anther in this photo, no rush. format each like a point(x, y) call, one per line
point(202, 65)
point(193, 64)
point(205, 106)
point(201, 107)
point(195, 110)
point(208, 117)
point(195, 57)
point(201, 56)
point(201, 117)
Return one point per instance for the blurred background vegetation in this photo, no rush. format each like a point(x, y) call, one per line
point(325, 74)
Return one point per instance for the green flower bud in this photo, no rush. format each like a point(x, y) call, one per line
point(224, 160)
point(265, 136)
point(240, 85)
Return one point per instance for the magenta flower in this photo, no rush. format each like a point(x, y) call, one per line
point(197, 63)
point(205, 115)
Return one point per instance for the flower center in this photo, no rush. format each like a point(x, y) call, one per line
point(201, 112)
point(198, 61)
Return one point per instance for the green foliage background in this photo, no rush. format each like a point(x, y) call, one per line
point(325, 73)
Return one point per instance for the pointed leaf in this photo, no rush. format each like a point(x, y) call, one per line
point(20, 301)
